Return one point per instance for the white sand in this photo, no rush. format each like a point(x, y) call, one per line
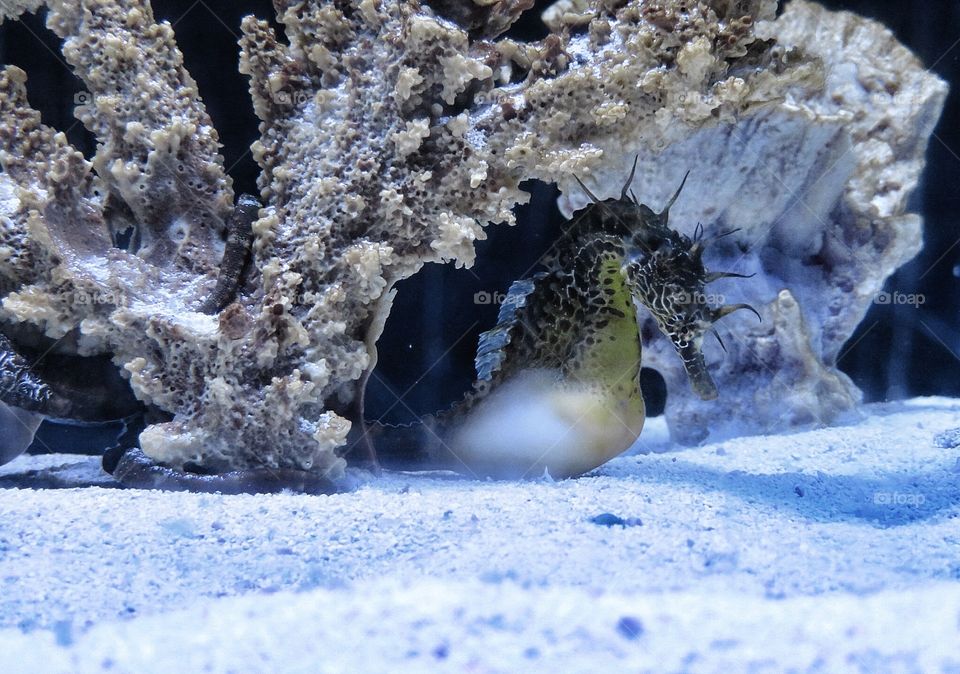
point(825, 551)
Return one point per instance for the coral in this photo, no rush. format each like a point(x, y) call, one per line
point(391, 133)
point(156, 169)
point(14, 8)
point(363, 182)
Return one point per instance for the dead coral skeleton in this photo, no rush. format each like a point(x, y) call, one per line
point(391, 133)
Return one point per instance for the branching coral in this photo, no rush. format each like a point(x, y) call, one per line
point(156, 169)
point(391, 133)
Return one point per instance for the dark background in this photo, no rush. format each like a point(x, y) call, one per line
point(427, 350)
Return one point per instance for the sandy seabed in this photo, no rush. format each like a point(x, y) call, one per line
point(830, 550)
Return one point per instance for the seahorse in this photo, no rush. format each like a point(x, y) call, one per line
point(557, 388)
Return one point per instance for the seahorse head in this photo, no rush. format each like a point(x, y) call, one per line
point(666, 275)
point(669, 281)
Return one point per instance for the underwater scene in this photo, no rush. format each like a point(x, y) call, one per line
point(479, 336)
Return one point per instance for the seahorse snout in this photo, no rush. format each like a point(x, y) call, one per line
point(696, 368)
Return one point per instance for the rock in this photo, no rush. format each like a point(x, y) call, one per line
point(630, 628)
point(611, 520)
